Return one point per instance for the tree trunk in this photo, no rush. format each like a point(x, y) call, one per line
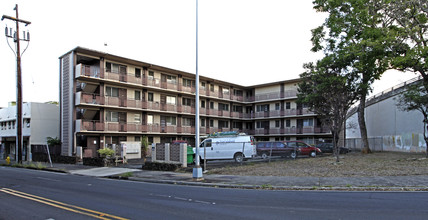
point(363, 127)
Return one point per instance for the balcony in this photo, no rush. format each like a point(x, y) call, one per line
point(133, 79)
point(273, 96)
point(168, 107)
point(236, 114)
point(132, 103)
point(89, 98)
point(87, 70)
point(112, 76)
point(87, 125)
point(186, 130)
point(289, 130)
point(189, 109)
point(188, 89)
point(154, 82)
point(169, 85)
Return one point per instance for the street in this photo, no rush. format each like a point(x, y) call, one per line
point(32, 194)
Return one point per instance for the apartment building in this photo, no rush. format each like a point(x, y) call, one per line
point(107, 99)
point(40, 120)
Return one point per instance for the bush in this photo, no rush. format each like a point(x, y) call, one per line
point(106, 152)
point(43, 157)
point(96, 161)
point(160, 166)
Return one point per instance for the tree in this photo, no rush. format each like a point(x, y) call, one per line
point(329, 93)
point(416, 98)
point(358, 36)
point(410, 27)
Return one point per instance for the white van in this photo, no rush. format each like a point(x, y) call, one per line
point(237, 147)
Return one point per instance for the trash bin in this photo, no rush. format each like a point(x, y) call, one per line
point(190, 155)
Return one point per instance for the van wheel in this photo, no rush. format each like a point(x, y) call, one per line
point(313, 154)
point(293, 155)
point(239, 157)
point(264, 155)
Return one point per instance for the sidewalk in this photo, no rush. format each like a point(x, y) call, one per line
point(378, 183)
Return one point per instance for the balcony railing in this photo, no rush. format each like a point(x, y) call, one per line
point(88, 125)
point(86, 70)
point(274, 95)
point(289, 130)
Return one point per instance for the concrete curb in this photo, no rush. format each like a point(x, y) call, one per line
point(268, 187)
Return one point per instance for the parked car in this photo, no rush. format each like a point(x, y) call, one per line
point(328, 148)
point(303, 148)
point(275, 148)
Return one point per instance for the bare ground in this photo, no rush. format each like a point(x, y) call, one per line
point(350, 165)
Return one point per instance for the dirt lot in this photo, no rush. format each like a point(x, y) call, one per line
point(352, 164)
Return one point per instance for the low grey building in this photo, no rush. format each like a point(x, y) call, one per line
point(388, 128)
point(40, 120)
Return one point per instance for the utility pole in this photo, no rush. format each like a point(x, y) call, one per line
point(16, 39)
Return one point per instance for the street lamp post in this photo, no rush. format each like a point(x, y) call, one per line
point(197, 171)
point(16, 39)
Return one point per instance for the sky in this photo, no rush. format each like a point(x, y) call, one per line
point(246, 42)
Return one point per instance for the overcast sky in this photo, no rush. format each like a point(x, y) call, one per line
point(247, 42)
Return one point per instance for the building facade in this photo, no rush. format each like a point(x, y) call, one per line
point(107, 99)
point(40, 120)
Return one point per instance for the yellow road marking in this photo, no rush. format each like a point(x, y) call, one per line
point(64, 206)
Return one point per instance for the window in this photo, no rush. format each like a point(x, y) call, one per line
point(277, 106)
point(149, 119)
point(226, 91)
point(137, 95)
point(262, 124)
point(137, 138)
point(211, 123)
point(202, 104)
point(188, 121)
point(137, 118)
point(211, 105)
point(138, 72)
point(223, 124)
point(112, 91)
point(171, 79)
point(277, 124)
point(112, 116)
point(151, 75)
point(223, 107)
point(171, 100)
point(308, 122)
point(187, 82)
point(212, 87)
point(28, 123)
point(115, 68)
point(202, 123)
point(237, 93)
point(203, 85)
point(287, 123)
point(150, 97)
point(170, 120)
point(187, 101)
point(237, 108)
point(287, 105)
point(262, 108)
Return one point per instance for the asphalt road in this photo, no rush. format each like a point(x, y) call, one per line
point(31, 194)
